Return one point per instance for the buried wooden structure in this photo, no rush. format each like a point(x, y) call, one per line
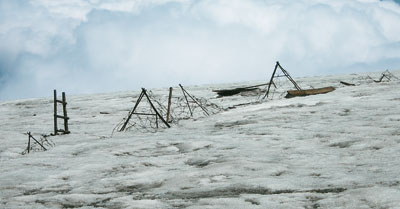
point(298, 91)
point(34, 139)
point(180, 107)
point(285, 74)
point(307, 92)
point(157, 115)
point(64, 116)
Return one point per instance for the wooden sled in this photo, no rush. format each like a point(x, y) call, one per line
point(307, 92)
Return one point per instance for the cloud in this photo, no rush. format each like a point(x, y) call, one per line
point(102, 46)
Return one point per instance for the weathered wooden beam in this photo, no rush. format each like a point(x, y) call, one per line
point(347, 84)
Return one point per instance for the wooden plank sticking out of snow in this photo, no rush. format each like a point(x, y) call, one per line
point(307, 92)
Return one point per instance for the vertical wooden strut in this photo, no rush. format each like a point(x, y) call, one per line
point(64, 103)
point(169, 104)
point(55, 112)
point(29, 141)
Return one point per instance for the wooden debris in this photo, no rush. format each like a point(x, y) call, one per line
point(234, 91)
point(347, 84)
point(307, 92)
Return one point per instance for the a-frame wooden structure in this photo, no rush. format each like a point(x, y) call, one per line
point(285, 74)
point(157, 115)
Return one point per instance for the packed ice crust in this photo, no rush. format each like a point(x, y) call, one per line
point(334, 150)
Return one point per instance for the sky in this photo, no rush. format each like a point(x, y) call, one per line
point(95, 46)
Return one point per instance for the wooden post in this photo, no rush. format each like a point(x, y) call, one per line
point(55, 112)
point(29, 141)
point(64, 103)
point(169, 103)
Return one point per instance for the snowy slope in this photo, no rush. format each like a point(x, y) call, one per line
point(337, 150)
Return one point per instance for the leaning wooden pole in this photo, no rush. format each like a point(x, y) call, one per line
point(131, 113)
point(195, 100)
point(169, 104)
point(289, 77)
point(271, 80)
point(187, 102)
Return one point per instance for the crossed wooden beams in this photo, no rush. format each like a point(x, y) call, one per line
point(286, 74)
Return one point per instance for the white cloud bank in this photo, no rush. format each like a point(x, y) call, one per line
point(101, 45)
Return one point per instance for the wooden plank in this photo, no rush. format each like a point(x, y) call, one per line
point(307, 92)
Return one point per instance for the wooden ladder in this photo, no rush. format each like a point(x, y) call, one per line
point(64, 116)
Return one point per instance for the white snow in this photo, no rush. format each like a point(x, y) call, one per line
point(336, 150)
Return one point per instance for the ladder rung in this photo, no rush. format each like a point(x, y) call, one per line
point(59, 116)
point(60, 101)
